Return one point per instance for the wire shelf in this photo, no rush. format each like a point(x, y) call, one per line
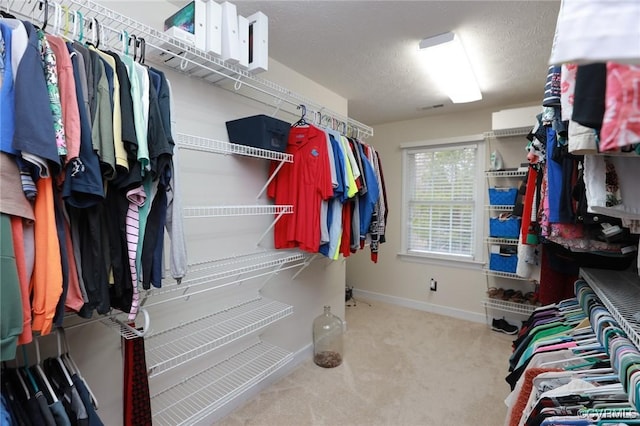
point(221, 147)
point(174, 346)
point(225, 211)
point(182, 57)
point(507, 306)
point(230, 268)
point(619, 291)
point(509, 275)
point(199, 395)
point(505, 173)
point(505, 133)
point(505, 241)
point(502, 208)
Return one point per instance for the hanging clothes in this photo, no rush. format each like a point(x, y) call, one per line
point(302, 184)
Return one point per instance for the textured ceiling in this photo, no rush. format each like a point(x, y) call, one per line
point(367, 51)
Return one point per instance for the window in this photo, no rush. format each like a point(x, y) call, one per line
point(442, 196)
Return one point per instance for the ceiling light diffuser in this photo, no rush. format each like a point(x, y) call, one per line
point(448, 64)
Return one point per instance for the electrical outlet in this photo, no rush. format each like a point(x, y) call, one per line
point(433, 285)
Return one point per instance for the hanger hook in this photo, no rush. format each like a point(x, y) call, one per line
point(74, 29)
point(238, 84)
point(184, 61)
point(46, 13)
point(134, 38)
point(57, 17)
point(65, 28)
point(304, 110)
point(143, 50)
point(99, 32)
point(80, 25)
point(124, 36)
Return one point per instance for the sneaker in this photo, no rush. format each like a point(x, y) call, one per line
point(503, 326)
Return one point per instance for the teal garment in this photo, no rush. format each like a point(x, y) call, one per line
point(10, 297)
point(546, 334)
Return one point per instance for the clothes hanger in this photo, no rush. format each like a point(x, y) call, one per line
point(143, 50)
point(46, 13)
point(43, 376)
point(94, 25)
point(124, 38)
point(134, 38)
point(63, 367)
point(80, 18)
point(27, 371)
point(57, 18)
point(302, 121)
point(67, 355)
point(23, 385)
point(6, 14)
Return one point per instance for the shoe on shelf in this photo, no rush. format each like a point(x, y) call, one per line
point(503, 326)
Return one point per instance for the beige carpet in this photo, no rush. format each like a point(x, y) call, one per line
point(401, 367)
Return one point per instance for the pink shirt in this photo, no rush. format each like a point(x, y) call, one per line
point(68, 100)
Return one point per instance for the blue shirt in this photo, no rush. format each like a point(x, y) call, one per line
point(7, 95)
point(33, 119)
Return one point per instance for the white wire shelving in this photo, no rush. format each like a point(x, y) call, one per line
point(507, 306)
point(619, 291)
point(491, 272)
point(204, 276)
point(198, 143)
point(500, 208)
point(240, 210)
point(505, 173)
point(200, 395)
point(116, 320)
point(506, 133)
point(173, 347)
point(504, 241)
point(163, 50)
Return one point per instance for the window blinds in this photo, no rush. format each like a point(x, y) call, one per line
point(441, 194)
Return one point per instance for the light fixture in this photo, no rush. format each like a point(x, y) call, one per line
point(447, 62)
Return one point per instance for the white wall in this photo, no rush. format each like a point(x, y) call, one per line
point(460, 290)
point(213, 179)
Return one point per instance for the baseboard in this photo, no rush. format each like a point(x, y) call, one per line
point(299, 357)
point(422, 306)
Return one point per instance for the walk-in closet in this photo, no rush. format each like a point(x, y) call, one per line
point(273, 213)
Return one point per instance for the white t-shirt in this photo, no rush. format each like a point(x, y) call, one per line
point(597, 31)
point(627, 168)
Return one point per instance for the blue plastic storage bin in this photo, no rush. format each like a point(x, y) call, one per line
point(502, 196)
point(504, 228)
point(503, 262)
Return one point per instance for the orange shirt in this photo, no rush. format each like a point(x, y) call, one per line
point(17, 233)
point(46, 281)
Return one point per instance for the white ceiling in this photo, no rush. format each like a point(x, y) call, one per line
point(366, 51)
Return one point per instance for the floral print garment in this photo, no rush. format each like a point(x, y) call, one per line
point(51, 76)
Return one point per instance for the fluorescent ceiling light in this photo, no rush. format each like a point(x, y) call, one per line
point(447, 62)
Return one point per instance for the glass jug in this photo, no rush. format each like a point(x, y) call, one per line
point(327, 339)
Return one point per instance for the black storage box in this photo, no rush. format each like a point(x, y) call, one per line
point(260, 131)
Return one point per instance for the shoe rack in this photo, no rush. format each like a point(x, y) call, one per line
point(508, 294)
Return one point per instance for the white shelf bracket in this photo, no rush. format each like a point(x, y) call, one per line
point(264, 234)
point(128, 331)
point(306, 263)
point(271, 177)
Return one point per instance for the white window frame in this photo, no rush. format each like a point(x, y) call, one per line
point(476, 260)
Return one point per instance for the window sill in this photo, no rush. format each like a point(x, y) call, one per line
point(443, 261)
